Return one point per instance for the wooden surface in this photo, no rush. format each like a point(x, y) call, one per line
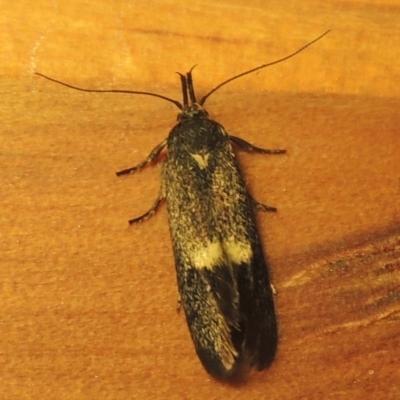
point(88, 304)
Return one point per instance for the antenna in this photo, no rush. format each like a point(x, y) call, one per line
point(186, 81)
point(177, 103)
point(203, 100)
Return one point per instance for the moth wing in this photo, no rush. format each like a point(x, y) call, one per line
point(222, 276)
point(229, 310)
point(210, 300)
point(257, 308)
point(243, 252)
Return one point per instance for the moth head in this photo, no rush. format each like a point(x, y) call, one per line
point(194, 110)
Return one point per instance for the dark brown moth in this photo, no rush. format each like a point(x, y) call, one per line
point(222, 274)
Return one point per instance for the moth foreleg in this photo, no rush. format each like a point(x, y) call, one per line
point(249, 147)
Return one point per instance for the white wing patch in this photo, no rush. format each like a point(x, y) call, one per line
point(237, 252)
point(211, 254)
point(207, 255)
point(202, 160)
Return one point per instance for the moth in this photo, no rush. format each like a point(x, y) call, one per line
point(222, 274)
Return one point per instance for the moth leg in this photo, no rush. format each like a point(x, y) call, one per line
point(249, 147)
point(149, 213)
point(154, 154)
point(261, 206)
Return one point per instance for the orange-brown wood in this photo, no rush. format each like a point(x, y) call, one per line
point(88, 304)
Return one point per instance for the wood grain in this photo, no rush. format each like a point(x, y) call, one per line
point(88, 303)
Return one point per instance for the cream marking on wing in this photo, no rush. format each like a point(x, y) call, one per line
point(201, 160)
point(207, 255)
point(237, 252)
point(213, 254)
